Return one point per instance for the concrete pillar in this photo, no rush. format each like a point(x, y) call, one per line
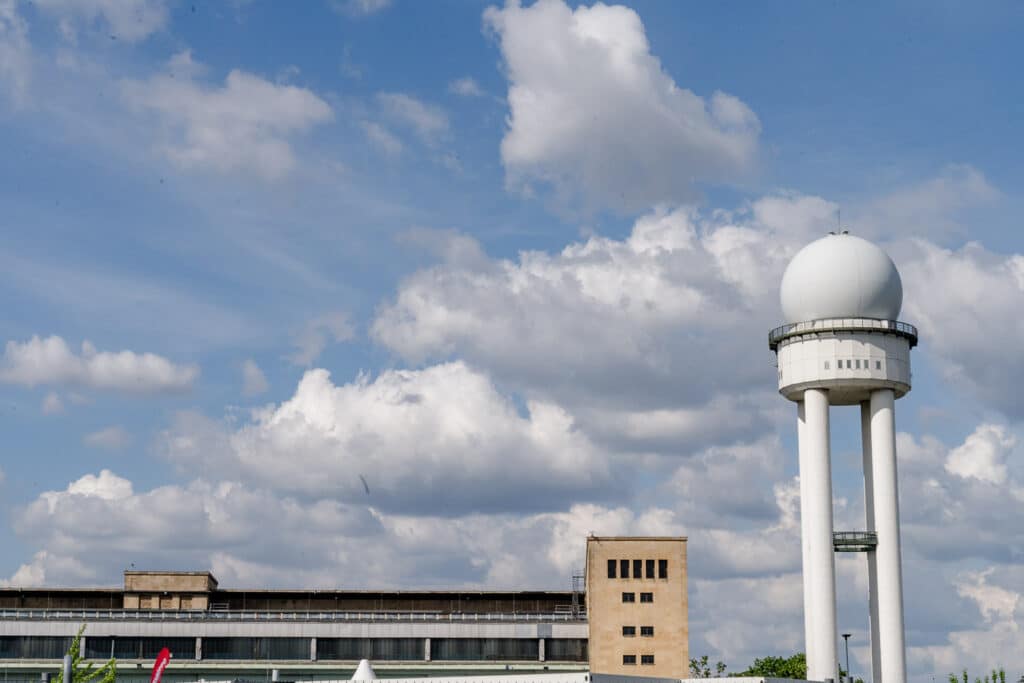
point(312, 649)
point(199, 649)
point(66, 674)
point(805, 534)
point(887, 520)
point(817, 510)
point(426, 649)
point(869, 525)
point(540, 650)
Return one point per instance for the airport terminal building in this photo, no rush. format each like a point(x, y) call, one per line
point(226, 633)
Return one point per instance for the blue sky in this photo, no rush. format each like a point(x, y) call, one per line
point(537, 251)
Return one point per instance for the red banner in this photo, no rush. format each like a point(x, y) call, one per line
point(161, 663)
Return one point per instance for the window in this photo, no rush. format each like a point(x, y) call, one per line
point(629, 631)
point(565, 649)
point(629, 659)
point(611, 569)
point(662, 569)
point(624, 569)
point(377, 649)
point(481, 649)
point(647, 659)
point(649, 566)
point(857, 364)
point(647, 597)
point(638, 569)
point(629, 597)
point(647, 631)
point(849, 363)
point(826, 365)
point(878, 365)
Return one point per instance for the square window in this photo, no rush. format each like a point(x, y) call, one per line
point(647, 597)
point(629, 597)
point(662, 569)
point(629, 659)
point(647, 659)
point(647, 631)
point(638, 569)
point(629, 631)
point(649, 566)
point(624, 569)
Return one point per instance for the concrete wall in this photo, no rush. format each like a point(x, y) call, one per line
point(668, 613)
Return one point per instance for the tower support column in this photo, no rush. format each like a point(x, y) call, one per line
point(805, 533)
point(869, 525)
point(816, 518)
point(887, 554)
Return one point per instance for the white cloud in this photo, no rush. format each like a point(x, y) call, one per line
point(382, 138)
point(318, 333)
point(983, 455)
point(609, 326)
point(15, 52)
point(52, 404)
point(41, 361)
point(254, 382)
point(428, 121)
point(962, 300)
point(246, 125)
point(130, 20)
point(362, 8)
point(440, 439)
point(594, 114)
point(465, 87)
point(110, 438)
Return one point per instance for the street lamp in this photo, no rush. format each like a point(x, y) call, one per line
point(846, 643)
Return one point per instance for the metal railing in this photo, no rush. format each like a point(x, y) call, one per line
point(907, 330)
point(277, 615)
point(854, 541)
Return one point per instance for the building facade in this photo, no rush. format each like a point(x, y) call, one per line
point(637, 606)
point(215, 633)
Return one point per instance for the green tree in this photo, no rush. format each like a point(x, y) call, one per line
point(700, 668)
point(779, 667)
point(84, 673)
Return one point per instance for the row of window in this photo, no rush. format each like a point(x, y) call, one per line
point(379, 649)
point(644, 597)
point(644, 659)
point(645, 631)
point(641, 569)
point(855, 364)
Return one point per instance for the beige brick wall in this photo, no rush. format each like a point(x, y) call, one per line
point(167, 590)
point(668, 613)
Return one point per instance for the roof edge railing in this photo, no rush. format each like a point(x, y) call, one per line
point(782, 332)
point(31, 614)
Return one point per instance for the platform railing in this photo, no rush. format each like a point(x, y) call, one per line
point(841, 325)
point(278, 615)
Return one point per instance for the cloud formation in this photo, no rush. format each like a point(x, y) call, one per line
point(594, 115)
point(246, 125)
point(110, 438)
point(130, 20)
point(15, 53)
point(50, 361)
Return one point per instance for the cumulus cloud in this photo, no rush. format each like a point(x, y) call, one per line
point(15, 52)
point(254, 382)
point(382, 138)
point(110, 438)
point(361, 8)
point(130, 20)
point(246, 125)
point(983, 455)
point(40, 361)
point(961, 300)
point(465, 87)
point(441, 439)
point(607, 327)
point(314, 337)
point(595, 115)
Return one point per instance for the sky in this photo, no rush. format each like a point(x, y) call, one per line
point(401, 294)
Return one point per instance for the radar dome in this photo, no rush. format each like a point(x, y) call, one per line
point(841, 276)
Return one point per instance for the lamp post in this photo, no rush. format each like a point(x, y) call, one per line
point(846, 643)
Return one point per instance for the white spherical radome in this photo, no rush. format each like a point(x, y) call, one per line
point(841, 276)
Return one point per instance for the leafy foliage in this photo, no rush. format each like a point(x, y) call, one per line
point(997, 676)
point(700, 668)
point(84, 673)
point(779, 667)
